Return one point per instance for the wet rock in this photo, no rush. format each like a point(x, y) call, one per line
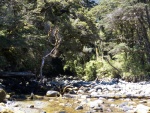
point(99, 87)
point(7, 96)
point(84, 102)
point(72, 92)
point(6, 110)
point(80, 91)
point(62, 112)
point(143, 101)
point(89, 112)
point(94, 94)
point(114, 81)
point(68, 96)
point(127, 99)
point(127, 108)
point(91, 90)
point(132, 103)
point(2, 95)
point(109, 110)
point(62, 104)
point(79, 107)
point(68, 104)
point(147, 91)
point(96, 103)
point(2, 104)
point(16, 105)
point(123, 104)
point(99, 101)
point(140, 108)
point(35, 97)
point(84, 96)
point(18, 111)
point(98, 109)
point(113, 105)
point(111, 100)
point(52, 93)
point(43, 112)
point(30, 106)
point(19, 97)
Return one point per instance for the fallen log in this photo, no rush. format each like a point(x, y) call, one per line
point(16, 74)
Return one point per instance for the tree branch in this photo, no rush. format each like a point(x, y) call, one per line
point(57, 44)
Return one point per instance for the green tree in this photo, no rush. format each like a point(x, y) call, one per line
point(33, 29)
point(124, 32)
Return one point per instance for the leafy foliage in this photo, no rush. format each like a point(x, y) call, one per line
point(109, 39)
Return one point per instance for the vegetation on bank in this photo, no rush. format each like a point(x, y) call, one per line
point(109, 39)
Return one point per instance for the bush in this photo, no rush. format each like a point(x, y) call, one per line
point(92, 69)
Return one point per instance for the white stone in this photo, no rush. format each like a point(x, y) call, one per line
point(94, 94)
point(140, 108)
point(96, 103)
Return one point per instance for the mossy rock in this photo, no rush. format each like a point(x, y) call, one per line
point(2, 95)
point(6, 111)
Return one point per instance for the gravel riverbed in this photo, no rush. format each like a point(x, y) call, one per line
point(107, 95)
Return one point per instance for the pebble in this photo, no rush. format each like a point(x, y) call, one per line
point(79, 108)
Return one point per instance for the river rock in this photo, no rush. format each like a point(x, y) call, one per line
point(79, 107)
point(2, 95)
point(123, 104)
point(99, 101)
point(147, 91)
point(111, 100)
point(143, 101)
point(61, 112)
point(5, 110)
point(94, 94)
point(127, 108)
point(93, 104)
point(140, 108)
point(30, 106)
point(99, 87)
point(96, 103)
point(52, 93)
point(80, 91)
point(98, 109)
point(43, 112)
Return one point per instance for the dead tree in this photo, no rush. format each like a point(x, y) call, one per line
point(55, 33)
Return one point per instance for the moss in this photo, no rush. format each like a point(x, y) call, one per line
point(2, 95)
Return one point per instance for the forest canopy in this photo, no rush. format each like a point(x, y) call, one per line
point(109, 38)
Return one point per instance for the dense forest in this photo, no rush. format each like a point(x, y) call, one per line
point(109, 38)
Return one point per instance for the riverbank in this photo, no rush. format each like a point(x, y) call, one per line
point(107, 95)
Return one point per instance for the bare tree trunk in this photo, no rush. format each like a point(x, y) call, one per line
point(58, 40)
point(43, 61)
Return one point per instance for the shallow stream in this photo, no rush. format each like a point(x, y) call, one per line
point(68, 105)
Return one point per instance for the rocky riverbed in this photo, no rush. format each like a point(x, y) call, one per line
point(69, 95)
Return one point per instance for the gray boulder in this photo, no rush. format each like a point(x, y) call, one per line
point(52, 93)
